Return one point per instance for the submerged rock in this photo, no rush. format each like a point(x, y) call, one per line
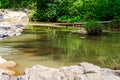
point(81, 31)
point(4, 65)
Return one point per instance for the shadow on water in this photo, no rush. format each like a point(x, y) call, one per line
point(56, 47)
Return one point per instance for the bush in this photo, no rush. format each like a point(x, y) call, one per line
point(115, 23)
point(93, 28)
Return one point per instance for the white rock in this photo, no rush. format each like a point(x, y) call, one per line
point(85, 71)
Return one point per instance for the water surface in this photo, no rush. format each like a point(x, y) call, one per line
point(56, 47)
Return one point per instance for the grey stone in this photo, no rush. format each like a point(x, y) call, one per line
point(9, 29)
point(84, 71)
point(10, 14)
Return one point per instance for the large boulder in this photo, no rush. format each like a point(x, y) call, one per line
point(83, 71)
point(4, 65)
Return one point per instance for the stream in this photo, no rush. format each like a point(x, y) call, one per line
point(57, 47)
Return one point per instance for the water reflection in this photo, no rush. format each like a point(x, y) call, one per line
point(55, 47)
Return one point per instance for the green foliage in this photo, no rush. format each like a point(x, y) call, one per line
point(13, 4)
point(67, 10)
point(115, 23)
point(94, 28)
point(46, 10)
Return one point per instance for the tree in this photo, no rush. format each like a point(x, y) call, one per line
point(67, 10)
point(46, 10)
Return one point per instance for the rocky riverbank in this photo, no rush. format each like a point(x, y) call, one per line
point(82, 71)
point(12, 22)
point(8, 29)
point(13, 14)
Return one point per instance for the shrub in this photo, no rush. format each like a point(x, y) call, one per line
point(115, 23)
point(93, 28)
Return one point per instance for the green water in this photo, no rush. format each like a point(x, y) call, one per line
point(56, 47)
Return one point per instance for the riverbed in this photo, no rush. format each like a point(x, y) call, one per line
point(58, 46)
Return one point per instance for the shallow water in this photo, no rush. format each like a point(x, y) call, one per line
point(56, 47)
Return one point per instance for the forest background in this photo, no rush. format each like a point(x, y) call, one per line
point(67, 10)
